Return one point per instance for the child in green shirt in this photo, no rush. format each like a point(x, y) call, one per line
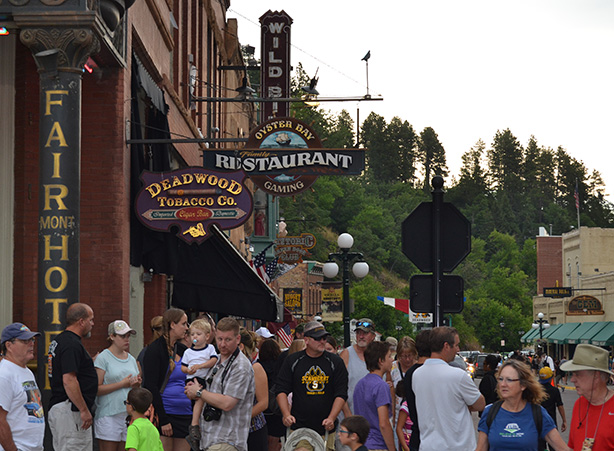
point(142, 435)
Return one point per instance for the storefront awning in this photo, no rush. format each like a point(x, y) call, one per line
point(605, 337)
point(560, 335)
point(551, 330)
point(528, 336)
point(214, 277)
point(579, 332)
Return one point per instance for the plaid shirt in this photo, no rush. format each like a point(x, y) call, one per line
point(233, 426)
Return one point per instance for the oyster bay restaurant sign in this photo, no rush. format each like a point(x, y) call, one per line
point(191, 200)
point(284, 157)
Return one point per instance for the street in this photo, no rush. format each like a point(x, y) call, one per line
point(569, 397)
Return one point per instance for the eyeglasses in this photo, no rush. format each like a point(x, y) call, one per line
point(364, 324)
point(341, 431)
point(126, 403)
point(507, 380)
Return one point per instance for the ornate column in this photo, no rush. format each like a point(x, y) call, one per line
point(60, 54)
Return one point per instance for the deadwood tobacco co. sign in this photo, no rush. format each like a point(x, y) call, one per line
point(193, 199)
point(284, 157)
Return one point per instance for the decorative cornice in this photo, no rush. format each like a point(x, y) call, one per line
point(75, 45)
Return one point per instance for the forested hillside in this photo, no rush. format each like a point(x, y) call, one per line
point(506, 189)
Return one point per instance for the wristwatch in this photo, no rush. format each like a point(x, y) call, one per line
point(199, 393)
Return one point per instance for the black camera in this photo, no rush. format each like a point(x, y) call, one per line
point(211, 413)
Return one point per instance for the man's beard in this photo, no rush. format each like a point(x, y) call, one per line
point(362, 344)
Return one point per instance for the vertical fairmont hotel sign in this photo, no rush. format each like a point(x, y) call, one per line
point(192, 199)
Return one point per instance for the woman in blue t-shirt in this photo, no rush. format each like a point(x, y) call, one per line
point(117, 372)
point(514, 426)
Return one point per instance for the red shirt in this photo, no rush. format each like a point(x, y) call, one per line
point(604, 438)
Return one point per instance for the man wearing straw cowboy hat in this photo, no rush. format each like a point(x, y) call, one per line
point(592, 420)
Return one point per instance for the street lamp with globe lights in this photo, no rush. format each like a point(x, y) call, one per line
point(360, 270)
point(540, 323)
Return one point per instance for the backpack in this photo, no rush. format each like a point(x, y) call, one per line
point(537, 418)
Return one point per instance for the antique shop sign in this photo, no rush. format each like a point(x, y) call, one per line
point(193, 199)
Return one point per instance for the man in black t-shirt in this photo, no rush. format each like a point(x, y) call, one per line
point(74, 382)
point(553, 402)
point(318, 381)
point(424, 352)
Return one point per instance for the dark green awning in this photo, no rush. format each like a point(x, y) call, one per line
point(552, 329)
point(560, 334)
point(588, 336)
point(605, 337)
point(580, 331)
point(528, 336)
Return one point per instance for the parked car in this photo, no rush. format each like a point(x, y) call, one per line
point(479, 365)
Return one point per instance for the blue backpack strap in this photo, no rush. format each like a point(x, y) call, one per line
point(492, 413)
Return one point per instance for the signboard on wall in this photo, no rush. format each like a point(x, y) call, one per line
point(293, 299)
point(275, 58)
point(191, 200)
point(332, 301)
point(292, 249)
point(585, 305)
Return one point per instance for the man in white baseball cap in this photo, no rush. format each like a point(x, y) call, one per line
point(592, 420)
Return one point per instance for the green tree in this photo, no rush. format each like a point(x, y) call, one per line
point(432, 155)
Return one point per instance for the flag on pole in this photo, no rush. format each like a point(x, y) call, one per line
point(399, 304)
point(285, 334)
point(258, 263)
point(576, 196)
point(271, 269)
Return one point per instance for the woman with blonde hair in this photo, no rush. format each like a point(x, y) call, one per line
point(407, 355)
point(165, 380)
point(512, 422)
point(258, 438)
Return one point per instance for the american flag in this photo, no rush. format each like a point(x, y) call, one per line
point(576, 195)
point(285, 334)
point(259, 264)
point(271, 269)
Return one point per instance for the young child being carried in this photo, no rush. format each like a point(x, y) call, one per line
point(142, 435)
point(195, 363)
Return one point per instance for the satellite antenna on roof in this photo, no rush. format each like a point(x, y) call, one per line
point(366, 60)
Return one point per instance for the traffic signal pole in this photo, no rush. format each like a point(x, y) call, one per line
point(437, 194)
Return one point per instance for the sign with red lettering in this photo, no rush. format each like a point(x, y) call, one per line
point(283, 133)
point(191, 200)
point(275, 57)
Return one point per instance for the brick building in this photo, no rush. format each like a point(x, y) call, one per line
point(580, 264)
point(133, 66)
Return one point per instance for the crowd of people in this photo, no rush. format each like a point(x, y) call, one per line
point(219, 387)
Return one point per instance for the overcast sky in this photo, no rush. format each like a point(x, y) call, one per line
point(465, 68)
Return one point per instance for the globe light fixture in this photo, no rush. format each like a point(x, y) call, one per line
point(360, 270)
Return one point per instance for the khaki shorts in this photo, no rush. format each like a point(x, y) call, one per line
point(221, 447)
point(65, 426)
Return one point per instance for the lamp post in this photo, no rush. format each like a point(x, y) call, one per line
point(540, 323)
point(360, 270)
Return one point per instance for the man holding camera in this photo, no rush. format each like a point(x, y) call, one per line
point(229, 395)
